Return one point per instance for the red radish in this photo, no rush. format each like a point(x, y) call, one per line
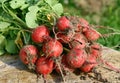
point(76, 44)
point(87, 67)
point(95, 50)
point(85, 29)
point(96, 46)
point(44, 66)
point(53, 48)
point(83, 22)
point(39, 33)
point(81, 28)
point(64, 65)
point(63, 23)
point(75, 24)
point(91, 34)
point(79, 37)
point(63, 38)
point(78, 27)
point(89, 64)
point(76, 57)
point(28, 54)
point(82, 25)
point(95, 53)
point(79, 41)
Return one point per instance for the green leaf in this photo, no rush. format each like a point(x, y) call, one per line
point(2, 40)
point(2, 44)
point(17, 3)
point(58, 9)
point(31, 17)
point(24, 6)
point(33, 9)
point(11, 47)
point(1, 1)
point(4, 25)
point(2, 51)
point(116, 39)
point(51, 2)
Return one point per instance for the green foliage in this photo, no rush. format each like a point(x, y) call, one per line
point(58, 9)
point(11, 47)
point(18, 17)
point(4, 25)
point(2, 44)
point(51, 2)
point(17, 3)
point(31, 16)
point(110, 17)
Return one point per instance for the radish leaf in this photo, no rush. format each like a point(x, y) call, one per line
point(31, 16)
point(58, 9)
point(4, 25)
point(2, 44)
point(51, 2)
point(17, 3)
point(11, 47)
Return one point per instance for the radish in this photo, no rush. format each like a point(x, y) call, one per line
point(79, 41)
point(75, 24)
point(44, 66)
point(83, 22)
point(28, 54)
point(64, 65)
point(85, 29)
point(63, 38)
point(96, 46)
point(39, 33)
point(91, 34)
point(53, 48)
point(83, 25)
point(63, 23)
point(76, 57)
point(95, 50)
point(89, 64)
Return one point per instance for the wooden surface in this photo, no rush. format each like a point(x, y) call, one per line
point(12, 70)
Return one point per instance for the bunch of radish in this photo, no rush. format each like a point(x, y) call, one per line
point(69, 45)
